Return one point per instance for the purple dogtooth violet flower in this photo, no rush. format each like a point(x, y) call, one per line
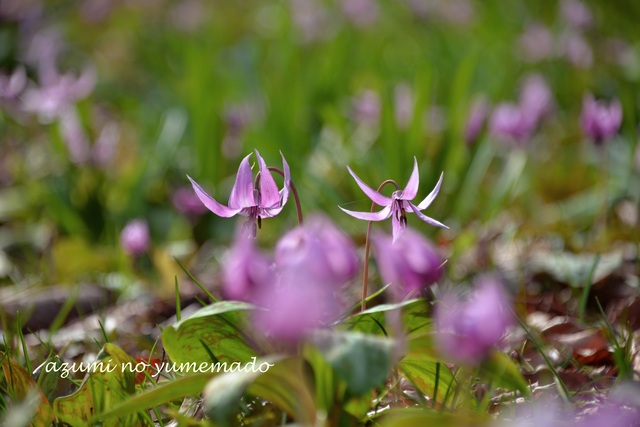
point(319, 251)
point(536, 99)
point(246, 270)
point(134, 238)
point(246, 199)
point(410, 263)
point(509, 122)
point(600, 121)
point(398, 204)
point(468, 329)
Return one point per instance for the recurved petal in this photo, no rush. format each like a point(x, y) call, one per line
point(377, 198)
point(242, 191)
point(425, 218)
point(211, 203)
point(269, 195)
point(411, 190)
point(370, 216)
point(431, 197)
point(284, 193)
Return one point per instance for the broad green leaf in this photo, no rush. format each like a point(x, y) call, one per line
point(284, 384)
point(109, 383)
point(189, 385)
point(415, 316)
point(424, 375)
point(21, 385)
point(218, 326)
point(501, 370)
point(417, 417)
point(362, 361)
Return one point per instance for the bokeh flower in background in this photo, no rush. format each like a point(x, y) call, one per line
point(399, 203)
point(600, 121)
point(135, 238)
point(248, 201)
point(12, 84)
point(509, 123)
point(536, 43)
point(536, 99)
point(468, 328)
point(366, 108)
point(362, 13)
point(187, 202)
point(410, 263)
point(576, 14)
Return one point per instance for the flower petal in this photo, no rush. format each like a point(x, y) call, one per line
point(284, 193)
point(269, 196)
point(370, 216)
point(242, 191)
point(425, 218)
point(397, 227)
point(411, 190)
point(431, 197)
point(211, 203)
point(377, 198)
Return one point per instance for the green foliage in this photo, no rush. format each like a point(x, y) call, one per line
point(216, 329)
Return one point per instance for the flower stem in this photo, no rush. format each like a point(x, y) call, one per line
point(367, 246)
point(293, 190)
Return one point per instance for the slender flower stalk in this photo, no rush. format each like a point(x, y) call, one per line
point(254, 200)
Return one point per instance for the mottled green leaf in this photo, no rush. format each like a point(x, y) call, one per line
point(108, 384)
point(362, 361)
point(22, 386)
point(284, 384)
point(218, 327)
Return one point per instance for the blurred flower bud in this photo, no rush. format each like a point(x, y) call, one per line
point(468, 329)
point(600, 121)
point(410, 264)
point(319, 252)
point(536, 100)
point(246, 270)
point(134, 238)
point(509, 122)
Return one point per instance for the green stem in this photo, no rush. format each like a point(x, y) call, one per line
point(367, 247)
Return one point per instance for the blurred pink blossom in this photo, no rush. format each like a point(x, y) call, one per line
point(410, 263)
point(600, 121)
point(134, 238)
point(467, 329)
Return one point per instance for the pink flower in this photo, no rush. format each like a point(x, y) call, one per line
point(468, 329)
point(398, 204)
point(247, 200)
point(410, 263)
point(246, 270)
point(134, 238)
point(600, 121)
point(319, 251)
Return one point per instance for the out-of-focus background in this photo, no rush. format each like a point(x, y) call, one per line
point(107, 105)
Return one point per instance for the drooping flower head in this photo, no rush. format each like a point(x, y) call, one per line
point(410, 264)
point(467, 329)
point(398, 204)
point(134, 238)
point(600, 121)
point(247, 200)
